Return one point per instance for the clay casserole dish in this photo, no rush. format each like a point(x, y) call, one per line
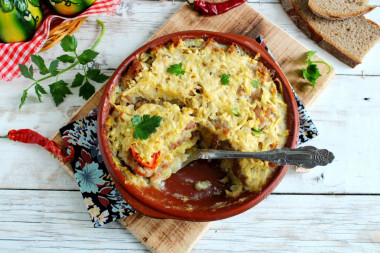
point(165, 203)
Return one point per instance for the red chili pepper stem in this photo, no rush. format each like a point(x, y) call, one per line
point(4, 136)
point(190, 3)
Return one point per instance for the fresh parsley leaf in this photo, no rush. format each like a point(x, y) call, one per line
point(65, 58)
point(256, 131)
point(86, 90)
point(176, 69)
point(78, 80)
point(225, 79)
point(40, 63)
point(25, 72)
point(23, 98)
point(96, 75)
point(53, 67)
point(59, 90)
point(69, 43)
point(235, 111)
point(255, 84)
point(87, 56)
point(145, 126)
point(39, 90)
point(311, 73)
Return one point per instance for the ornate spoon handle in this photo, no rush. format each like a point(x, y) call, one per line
point(306, 157)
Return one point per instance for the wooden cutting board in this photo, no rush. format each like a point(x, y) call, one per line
point(180, 236)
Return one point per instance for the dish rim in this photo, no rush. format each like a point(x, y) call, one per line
point(151, 208)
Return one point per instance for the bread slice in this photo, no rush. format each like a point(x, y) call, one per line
point(340, 9)
point(348, 40)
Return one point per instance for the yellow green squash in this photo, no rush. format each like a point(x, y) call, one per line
point(69, 7)
point(19, 19)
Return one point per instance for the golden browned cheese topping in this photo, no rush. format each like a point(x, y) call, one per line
point(208, 95)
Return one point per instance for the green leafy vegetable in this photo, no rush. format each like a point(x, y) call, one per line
point(69, 43)
point(225, 79)
point(255, 84)
point(176, 69)
point(87, 56)
point(39, 90)
point(60, 89)
point(78, 80)
point(235, 111)
point(145, 126)
point(66, 58)
point(40, 63)
point(256, 131)
point(311, 73)
point(28, 73)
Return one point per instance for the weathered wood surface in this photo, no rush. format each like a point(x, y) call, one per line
point(346, 121)
point(56, 221)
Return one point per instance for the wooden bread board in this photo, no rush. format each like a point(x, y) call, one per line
point(180, 236)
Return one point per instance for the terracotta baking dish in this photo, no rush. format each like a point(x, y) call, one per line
point(180, 200)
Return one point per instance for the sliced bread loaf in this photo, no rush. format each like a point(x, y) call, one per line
point(348, 40)
point(339, 9)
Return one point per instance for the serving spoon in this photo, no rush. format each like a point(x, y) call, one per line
point(306, 157)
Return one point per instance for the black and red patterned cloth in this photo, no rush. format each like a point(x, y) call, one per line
point(103, 201)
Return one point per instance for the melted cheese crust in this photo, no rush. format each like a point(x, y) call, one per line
point(198, 109)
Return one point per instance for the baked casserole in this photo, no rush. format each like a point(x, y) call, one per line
point(198, 94)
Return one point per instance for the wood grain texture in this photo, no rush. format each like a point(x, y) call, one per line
point(57, 221)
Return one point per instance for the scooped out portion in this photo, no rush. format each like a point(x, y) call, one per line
point(196, 94)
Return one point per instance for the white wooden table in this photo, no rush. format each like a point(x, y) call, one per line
point(330, 209)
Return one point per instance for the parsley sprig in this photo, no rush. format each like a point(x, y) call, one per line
point(225, 79)
point(236, 112)
point(145, 126)
point(176, 69)
point(256, 131)
point(311, 73)
point(59, 89)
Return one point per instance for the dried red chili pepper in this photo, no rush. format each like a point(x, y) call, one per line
point(32, 137)
point(211, 9)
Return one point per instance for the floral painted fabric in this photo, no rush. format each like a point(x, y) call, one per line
point(103, 201)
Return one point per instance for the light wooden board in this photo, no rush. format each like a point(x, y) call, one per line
point(179, 236)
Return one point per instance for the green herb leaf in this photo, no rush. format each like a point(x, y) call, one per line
point(145, 126)
point(176, 69)
point(69, 43)
point(86, 90)
point(66, 58)
point(235, 111)
point(78, 80)
point(6, 5)
point(311, 73)
point(23, 98)
point(25, 71)
point(39, 90)
point(59, 91)
point(225, 79)
point(256, 131)
point(87, 56)
point(40, 63)
point(53, 67)
point(96, 75)
point(255, 84)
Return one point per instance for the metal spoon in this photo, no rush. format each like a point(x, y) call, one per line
point(306, 157)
